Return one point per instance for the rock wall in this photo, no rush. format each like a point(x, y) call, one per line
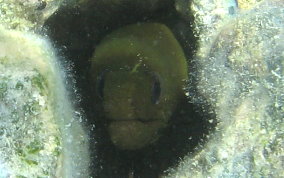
point(241, 75)
point(41, 134)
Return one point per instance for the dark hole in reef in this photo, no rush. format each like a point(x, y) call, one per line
point(76, 33)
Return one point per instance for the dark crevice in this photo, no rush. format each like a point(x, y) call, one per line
point(76, 32)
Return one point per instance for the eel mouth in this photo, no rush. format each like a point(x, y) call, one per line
point(132, 134)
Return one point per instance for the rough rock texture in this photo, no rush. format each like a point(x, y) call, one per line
point(241, 75)
point(247, 4)
point(26, 109)
point(41, 134)
point(118, 5)
point(26, 15)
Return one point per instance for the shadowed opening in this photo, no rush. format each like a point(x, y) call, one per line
point(76, 32)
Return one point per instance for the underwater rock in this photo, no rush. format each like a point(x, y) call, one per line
point(119, 5)
point(25, 111)
point(241, 75)
point(139, 73)
point(247, 4)
point(26, 15)
point(209, 18)
point(39, 132)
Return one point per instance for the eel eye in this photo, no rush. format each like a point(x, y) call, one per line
point(100, 84)
point(156, 91)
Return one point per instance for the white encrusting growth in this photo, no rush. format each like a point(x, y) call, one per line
point(241, 76)
point(35, 139)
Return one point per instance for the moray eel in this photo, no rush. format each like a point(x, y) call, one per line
point(139, 71)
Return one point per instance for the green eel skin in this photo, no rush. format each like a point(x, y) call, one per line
point(139, 71)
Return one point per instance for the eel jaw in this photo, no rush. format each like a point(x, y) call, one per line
point(134, 134)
